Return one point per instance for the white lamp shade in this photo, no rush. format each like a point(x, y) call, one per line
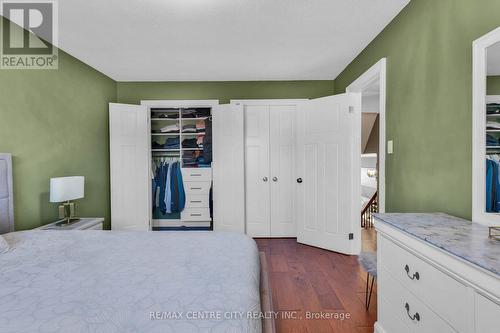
point(66, 188)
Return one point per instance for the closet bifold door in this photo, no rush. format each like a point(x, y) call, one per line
point(282, 165)
point(228, 168)
point(129, 167)
point(257, 171)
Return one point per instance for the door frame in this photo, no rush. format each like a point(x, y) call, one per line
point(378, 72)
point(246, 102)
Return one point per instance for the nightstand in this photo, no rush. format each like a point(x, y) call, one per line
point(85, 223)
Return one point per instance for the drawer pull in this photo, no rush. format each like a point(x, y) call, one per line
point(196, 214)
point(416, 275)
point(196, 175)
point(416, 316)
point(195, 188)
point(195, 201)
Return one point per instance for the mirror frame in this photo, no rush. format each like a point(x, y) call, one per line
point(479, 91)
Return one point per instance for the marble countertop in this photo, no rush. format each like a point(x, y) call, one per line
point(454, 235)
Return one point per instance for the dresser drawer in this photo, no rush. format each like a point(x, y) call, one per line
point(388, 318)
point(440, 292)
point(197, 201)
point(195, 214)
point(194, 188)
point(407, 307)
point(196, 174)
point(487, 314)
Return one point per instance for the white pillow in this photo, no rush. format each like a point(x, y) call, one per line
point(4, 246)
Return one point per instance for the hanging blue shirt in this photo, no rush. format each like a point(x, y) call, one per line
point(168, 192)
point(182, 194)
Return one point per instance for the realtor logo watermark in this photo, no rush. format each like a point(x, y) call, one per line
point(29, 31)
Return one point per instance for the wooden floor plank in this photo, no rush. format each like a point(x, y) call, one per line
point(305, 279)
point(279, 263)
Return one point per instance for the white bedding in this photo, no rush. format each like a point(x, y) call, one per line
point(110, 281)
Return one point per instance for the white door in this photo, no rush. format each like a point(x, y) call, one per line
point(282, 164)
point(257, 173)
point(326, 148)
point(129, 167)
point(228, 168)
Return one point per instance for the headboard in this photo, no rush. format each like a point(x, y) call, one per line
point(6, 194)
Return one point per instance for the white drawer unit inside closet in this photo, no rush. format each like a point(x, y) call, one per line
point(197, 185)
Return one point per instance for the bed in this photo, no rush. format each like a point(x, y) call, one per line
point(102, 281)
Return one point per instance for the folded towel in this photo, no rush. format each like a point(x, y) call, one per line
point(170, 128)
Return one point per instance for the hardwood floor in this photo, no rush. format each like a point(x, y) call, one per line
point(307, 279)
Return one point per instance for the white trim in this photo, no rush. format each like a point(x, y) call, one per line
point(355, 124)
point(479, 73)
point(266, 101)
point(376, 72)
point(175, 103)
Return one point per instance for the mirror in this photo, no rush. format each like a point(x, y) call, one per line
point(486, 129)
point(492, 186)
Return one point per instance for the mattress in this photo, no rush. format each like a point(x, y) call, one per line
point(127, 281)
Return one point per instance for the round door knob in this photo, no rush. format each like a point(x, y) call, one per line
point(264, 179)
point(299, 180)
point(275, 179)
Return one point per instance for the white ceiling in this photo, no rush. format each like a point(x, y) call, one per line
point(215, 40)
point(494, 60)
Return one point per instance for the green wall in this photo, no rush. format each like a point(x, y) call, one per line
point(429, 96)
point(134, 92)
point(493, 85)
point(55, 123)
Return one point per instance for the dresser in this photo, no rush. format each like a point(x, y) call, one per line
point(436, 273)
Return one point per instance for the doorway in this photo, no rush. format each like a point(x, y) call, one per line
point(372, 87)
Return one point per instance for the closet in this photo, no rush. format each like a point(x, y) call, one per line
point(279, 168)
point(181, 156)
point(270, 167)
point(162, 161)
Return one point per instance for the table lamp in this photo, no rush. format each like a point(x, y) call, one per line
point(63, 190)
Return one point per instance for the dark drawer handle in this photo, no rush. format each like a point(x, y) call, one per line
point(416, 275)
point(196, 175)
point(195, 201)
point(416, 316)
point(195, 188)
point(195, 214)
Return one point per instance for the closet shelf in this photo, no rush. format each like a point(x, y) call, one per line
point(167, 119)
point(198, 118)
point(165, 110)
point(493, 115)
point(492, 147)
point(193, 133)
point(176, 150)
point(165, 134)
point(493, 131)
point(192, 149)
